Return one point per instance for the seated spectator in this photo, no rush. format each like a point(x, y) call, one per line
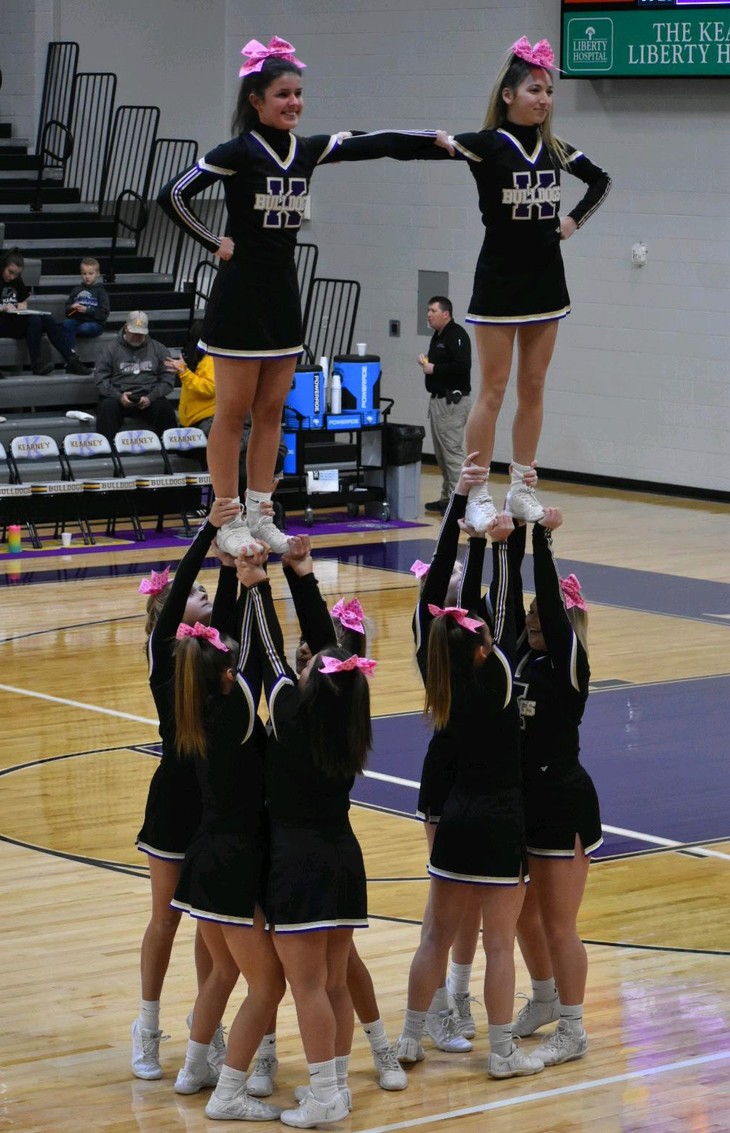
point(15, 323)
point(197, 400)
point(87, 307)
point(134, 375)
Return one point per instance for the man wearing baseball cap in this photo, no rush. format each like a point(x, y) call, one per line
point(134, 376)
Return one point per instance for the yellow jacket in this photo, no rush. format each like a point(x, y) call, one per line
point(197, 400)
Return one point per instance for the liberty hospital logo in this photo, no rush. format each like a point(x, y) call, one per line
point(284, 201)
point(535, 196)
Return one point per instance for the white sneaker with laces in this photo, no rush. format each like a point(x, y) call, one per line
point(409, 1050)
point(241, 1107)
point(311, 1112)
point(234, 536)
point(442, 1030)
point(189, 1083)
point(535, 1014)
point(264, 528)
point(522, 503)
point(515, 1065)
point(146, 1052)
point(260, 1082)
point(300, 1093)
point(563, 1045)
point(392, 1075)
point(463, 1018)
point(480, 509)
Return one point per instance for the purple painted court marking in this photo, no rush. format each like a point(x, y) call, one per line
point(657, 755)
point(325, 524)
point(643, 590)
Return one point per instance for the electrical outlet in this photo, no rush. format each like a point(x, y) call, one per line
point(394, 328)
point(324, 322)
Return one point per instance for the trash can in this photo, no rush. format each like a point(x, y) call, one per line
point(403, 446)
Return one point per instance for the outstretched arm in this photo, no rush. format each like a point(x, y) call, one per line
point(315, 622)
point(566, 653)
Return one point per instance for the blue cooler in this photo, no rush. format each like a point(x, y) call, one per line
point(360, 377)
point(307, 397)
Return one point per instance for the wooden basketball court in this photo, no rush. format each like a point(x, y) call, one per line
point(75, 763)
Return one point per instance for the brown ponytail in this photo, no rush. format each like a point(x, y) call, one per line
point(199, 669)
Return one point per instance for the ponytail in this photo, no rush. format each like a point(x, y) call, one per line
point(338, 713)
point(199, 669)
point(450, 666)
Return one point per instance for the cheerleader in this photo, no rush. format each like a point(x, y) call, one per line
point(217, 689)
point(519, 284)
point(316, 892)
point(562, 818)
point(253, 322)
point(449, 1027)
point(172, 812)
point(478, 857)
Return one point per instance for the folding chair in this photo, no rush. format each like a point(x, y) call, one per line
point(107, 494)
point(140, 454)
point(36, 460)
point(15, 501)
point(186, 449)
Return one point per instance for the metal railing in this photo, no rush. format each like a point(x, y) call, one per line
point(161, 239)
point(127, 196)
point(53, 133)
point(61, 61)
point(128, 157)
point(93, 100)
point(331, 313)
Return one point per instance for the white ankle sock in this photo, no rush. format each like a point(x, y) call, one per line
point(323, 1080)
point(149, 1014)
point(500, 1039)
point(267, 1047)
point(196, 1056)
point(414, 1024)
point(342, 1067)
point(517, 472)
point(376, 1035)
point(230, 1082)
point(544, 991)
point(459, 978)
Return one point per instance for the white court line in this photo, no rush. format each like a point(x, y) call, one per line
point(650, 838)
point(78, 704)
point(549, 1095)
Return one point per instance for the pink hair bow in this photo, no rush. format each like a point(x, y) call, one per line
point(258, 54)
point(419, 568)
point(541, 55)
point(156, 582)
point(332, 665)
point(459, 615)
point(571, 592)
point(350, 614)
point(199, 630)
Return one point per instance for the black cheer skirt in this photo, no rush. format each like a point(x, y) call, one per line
point(253, 312)
point(481, 838)
point(173, 811)
point(559, 806)
point(316, 878)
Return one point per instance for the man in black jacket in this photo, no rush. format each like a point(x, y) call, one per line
point(447, 369)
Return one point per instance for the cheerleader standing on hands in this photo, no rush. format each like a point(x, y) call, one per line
point(519, 284)
point(253, 322)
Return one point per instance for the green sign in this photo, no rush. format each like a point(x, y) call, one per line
point(670, 42)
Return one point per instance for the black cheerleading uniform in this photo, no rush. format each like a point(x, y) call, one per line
point(552, 689)
point(222, 875)
point(254, 309)
point(173, 809)
point(519, 276)
point(480, 838)
point(316, 876)
point(439, 764)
